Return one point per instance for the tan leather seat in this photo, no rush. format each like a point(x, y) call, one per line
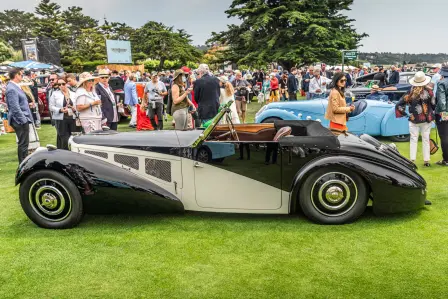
point(283, 132)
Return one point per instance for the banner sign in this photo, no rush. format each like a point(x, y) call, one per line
point(351, 55)
point(30, 49)
point(118, 51)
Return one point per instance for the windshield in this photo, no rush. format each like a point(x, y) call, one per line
point(224, 109)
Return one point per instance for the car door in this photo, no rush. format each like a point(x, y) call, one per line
point(249, 178)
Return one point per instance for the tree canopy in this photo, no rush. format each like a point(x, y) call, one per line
point(16, 25)
point(290, 32)
point(162, 43)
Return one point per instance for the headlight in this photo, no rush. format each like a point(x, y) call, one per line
point(261, 110)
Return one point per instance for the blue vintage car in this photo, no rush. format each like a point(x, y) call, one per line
point(371, 117)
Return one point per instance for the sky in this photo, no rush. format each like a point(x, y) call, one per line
point(412, 26)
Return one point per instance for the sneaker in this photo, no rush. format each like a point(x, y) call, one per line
point(427, 164)
point(428, 203)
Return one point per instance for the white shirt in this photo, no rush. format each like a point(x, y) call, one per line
point(316, 84)
point(83, 97)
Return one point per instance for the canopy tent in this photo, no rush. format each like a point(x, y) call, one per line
point(34, 65)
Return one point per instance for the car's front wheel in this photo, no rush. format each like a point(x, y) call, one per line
point(333, 196)
point(51, 200)
point(400, 138)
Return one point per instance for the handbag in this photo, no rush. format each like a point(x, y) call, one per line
point(8, 128)
point(433, 145)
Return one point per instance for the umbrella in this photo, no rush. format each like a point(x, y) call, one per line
point(5, 68)
point(34, 65)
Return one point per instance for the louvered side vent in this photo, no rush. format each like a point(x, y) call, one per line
point(98, 154)
point(129, 161)
point(159, 169)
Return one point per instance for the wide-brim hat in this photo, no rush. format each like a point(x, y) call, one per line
point(178, 72)
point(86, 76)
point(103, 73)
point(420, 79)
point(375, 87)
point(444, 71)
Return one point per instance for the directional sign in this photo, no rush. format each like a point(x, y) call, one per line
point(351, 55)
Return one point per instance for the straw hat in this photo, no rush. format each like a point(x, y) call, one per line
point(375, 88)
point(420, 79)
point(177, 73)
point(103, 73)
point(86, 76)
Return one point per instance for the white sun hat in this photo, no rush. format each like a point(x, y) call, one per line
point(420, 79)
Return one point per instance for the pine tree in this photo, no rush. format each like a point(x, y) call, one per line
point(49, 22)
point(290, 32)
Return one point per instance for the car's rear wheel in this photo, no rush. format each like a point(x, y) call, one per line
point(400, 138)
point(333, 196)
point(204, 155)
point(51, 200)
point(270, 120)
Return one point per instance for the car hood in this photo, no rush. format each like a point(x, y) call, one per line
point(310, 106)
point(168, 138)
point(380, 153)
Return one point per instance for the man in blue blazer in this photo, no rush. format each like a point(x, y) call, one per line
point(131, 98)
point(19, 114)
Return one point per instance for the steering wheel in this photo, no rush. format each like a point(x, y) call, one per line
point(232, 132)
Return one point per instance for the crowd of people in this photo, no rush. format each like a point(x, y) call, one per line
point(90, 101)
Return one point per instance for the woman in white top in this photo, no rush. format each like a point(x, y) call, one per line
point(88, 104)
point(62, 109)
point(227, 94)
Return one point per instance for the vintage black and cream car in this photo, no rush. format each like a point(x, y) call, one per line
point(277, 168)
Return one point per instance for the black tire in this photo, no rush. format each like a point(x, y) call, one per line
point(270, 120)
point(204, 155)
point(63, 207)
point(400, 138)
point(346, 196)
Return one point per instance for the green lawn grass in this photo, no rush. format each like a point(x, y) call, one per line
point(200, 255)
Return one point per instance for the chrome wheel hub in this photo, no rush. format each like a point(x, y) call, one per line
point(334, 194)
point(50, 200)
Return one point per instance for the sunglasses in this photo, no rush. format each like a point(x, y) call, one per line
point(343, 80)
point(62, 84)
point(91, 80)
point(104, 77)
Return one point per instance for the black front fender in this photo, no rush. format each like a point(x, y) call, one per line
point(393, 190)
point(99, 181)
